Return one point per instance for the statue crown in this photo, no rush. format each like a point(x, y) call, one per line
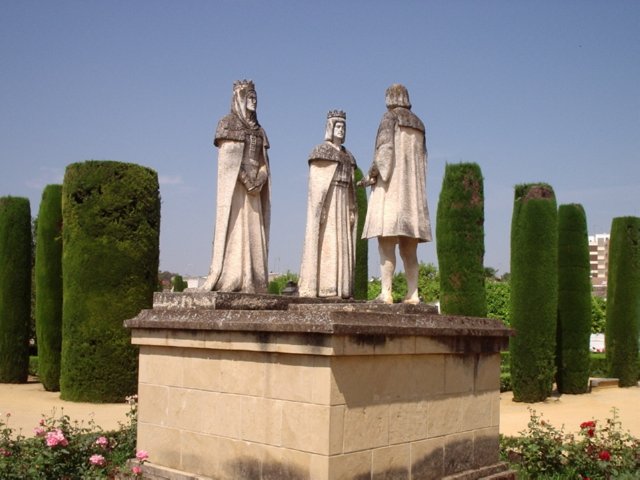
point(243, 85)
point(337, 114)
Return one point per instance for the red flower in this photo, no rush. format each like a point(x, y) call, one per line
point(589, 427)
point(604, 455)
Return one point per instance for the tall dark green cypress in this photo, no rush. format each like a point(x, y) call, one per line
point(361, 280)
point(623, 300)
point(460, 241)
point(15, 288)
point(574, 301)
point(534, 291)
point(48, 279)
point(111, 213)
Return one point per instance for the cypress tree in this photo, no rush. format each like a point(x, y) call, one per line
point(111, 213)
point(48, 279)
point(574, 301)
point(623, 300)
point(534, 291)
point(361, 280)
point(460, 241)
point(15, 288)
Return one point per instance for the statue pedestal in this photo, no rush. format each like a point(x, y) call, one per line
point(237, 386)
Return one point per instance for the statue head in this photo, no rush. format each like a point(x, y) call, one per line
point(397, 96)
point(245, 101)
point(336, 127)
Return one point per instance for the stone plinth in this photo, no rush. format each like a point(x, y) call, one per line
point(239, 386)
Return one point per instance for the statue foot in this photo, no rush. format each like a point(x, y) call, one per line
point(413, 300)
point(388, 299)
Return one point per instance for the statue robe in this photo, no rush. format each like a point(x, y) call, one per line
point(241, 237)
point(328, 258)
point(398, 201)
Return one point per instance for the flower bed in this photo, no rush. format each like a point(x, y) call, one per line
point(66, 450)
point(598, 451)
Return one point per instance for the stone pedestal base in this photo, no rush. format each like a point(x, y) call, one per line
point(315, 391)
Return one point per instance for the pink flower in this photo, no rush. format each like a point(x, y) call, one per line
point(41, 422)
point(5, 453)
point(39, 431)
point(136, 470)
point(56, 438)
point(142, 455)
point(102, 442)
point(97, 460)
point(604, 455)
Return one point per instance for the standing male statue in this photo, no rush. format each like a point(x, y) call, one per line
point(397, 213)
point(328, 256)
point(243, 202)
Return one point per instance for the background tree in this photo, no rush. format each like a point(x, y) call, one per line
point(48, 282)
point(499, 300)
point(598, 314)
point(574, 301)
point(460, 241)
point(361, 279)
point(111, 213)
point(178, 283)
point(623, 300)
point(428, 285)
point(278, 283)
point(15, 288)
point(534, 291)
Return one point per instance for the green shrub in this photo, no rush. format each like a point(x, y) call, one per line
point(499, 300)
point(33, 366)
point(278, 283)
point(178, 283)
point(623, 300)
point(15, 288)
point(574, 301)
point(460, 241)
point(534, 292)
point(48, 280)
point(361, 277)
point(598, 314)
point(111, 213)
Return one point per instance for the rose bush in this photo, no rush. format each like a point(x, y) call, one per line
point(66, 450)
point(598, 452)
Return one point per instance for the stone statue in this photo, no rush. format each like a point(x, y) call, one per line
point(243, 209)
point(328, 258)
point(397, 213)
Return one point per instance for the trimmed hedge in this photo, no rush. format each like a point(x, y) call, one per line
point(574, 300)
point(623, 300)
point(460, 241)
point(15, 288)
point(361, 279)
point(534, 291)
point(111, 213)
point(48, 279)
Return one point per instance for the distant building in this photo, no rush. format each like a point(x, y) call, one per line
point(599, 260)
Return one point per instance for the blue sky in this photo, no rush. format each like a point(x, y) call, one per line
point(531, 91)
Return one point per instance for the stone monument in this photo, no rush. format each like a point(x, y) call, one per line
point(243, 208)
point(397, 213)
point(328, 258)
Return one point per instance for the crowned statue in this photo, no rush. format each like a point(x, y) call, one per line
point(243, 200)
point(328, 258)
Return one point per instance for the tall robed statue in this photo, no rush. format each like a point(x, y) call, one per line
point(243, 201)
point(328, 258)
point(397, 213)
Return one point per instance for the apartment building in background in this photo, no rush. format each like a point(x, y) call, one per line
point(599, 259)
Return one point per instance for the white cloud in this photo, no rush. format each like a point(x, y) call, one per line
point(170, 179)
point(44, 177)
